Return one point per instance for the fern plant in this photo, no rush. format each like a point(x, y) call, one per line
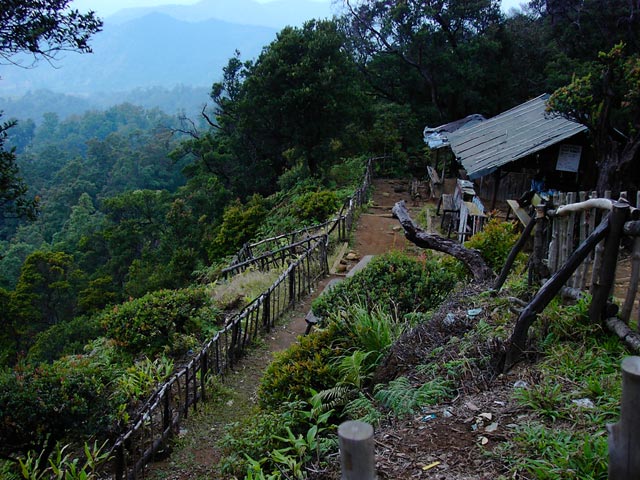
point(403, 398)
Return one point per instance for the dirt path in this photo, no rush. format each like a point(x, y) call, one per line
point(195, 454)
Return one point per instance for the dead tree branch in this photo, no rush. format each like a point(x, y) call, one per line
point(471, 258)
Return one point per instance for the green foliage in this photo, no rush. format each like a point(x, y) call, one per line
point(42, 404)
point(371, 332)
point(362, 408)
point(348, 172)
point(62, 466)
point(64, 339)
point(143, 377)
point(580, 363)
point(13, 191)
point(153, 324)
point(553, 454)
point(316, 207)
point(495, 242)
point(43, 30)
point(283, 440)
point(303, 368)
point(239, 225)
point(403, 398)
point(606, 100)
point(394, 280)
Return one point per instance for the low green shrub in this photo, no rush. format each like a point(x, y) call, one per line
point(153, 324)
point(239, 225)
point(396, 281)
point(303, 368)
point(66, 338)
point(554, 454)
point(495, 241)
point(349, 171)
point(64, 401)
point(316, 207)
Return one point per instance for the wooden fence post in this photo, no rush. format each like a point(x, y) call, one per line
point(357, 458)
point(292, 284)
point(518, 340)
point(624, 436)
point(266, 311)
point(204, 371)
point(537, 270)
point(517, 248)
point(166, 411)
point(119, 468)
point(602, 289)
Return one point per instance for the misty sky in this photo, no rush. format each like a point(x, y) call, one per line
point(104, 8)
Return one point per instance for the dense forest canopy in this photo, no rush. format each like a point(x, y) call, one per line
point(109, 207)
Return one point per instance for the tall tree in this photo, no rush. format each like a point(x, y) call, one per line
point(13, 191)
point(42, 28)
point(448, 43)
point(295, 104)
point(607, 101)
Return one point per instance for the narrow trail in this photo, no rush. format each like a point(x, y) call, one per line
point(195, 453)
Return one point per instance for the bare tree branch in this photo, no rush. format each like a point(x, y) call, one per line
point(471, 258)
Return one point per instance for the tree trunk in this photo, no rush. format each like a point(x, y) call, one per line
point(471, 258)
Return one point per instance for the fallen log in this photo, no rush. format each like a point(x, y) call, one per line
point(630, 338)
point(471, 258)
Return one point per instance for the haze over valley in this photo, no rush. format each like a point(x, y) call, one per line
point(166, 56)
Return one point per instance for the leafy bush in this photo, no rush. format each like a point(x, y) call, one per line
point(316, 207)
point(153, 324)
point(303, 368)
point(495, 242)
point(371, 332)
point(66, 400)
point(278, 441)
point(140, 379)
point(64, 339)
point(395, 281)
point(350, 171)
point(239, 224)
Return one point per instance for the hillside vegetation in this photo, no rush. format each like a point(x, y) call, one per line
point(114, 225)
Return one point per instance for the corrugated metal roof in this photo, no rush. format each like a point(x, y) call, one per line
point(512, 135)
point(436, 137)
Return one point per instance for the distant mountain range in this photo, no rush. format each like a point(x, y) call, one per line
point(168, 46)
point(276, 14)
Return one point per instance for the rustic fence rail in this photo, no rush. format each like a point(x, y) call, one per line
point(161, 415)
point(264, 249)
point(275, 259)
point(577, 248)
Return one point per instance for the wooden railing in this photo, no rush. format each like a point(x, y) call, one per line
point(163, 412)
point(262, 250)
point(279, 258)
point(576, 249)
point(161, 415)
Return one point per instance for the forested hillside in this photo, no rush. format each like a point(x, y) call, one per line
point(114, 223)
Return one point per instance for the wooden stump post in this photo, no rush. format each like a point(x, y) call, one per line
point(357, 458)
point(606, 277)
point(624, 436)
